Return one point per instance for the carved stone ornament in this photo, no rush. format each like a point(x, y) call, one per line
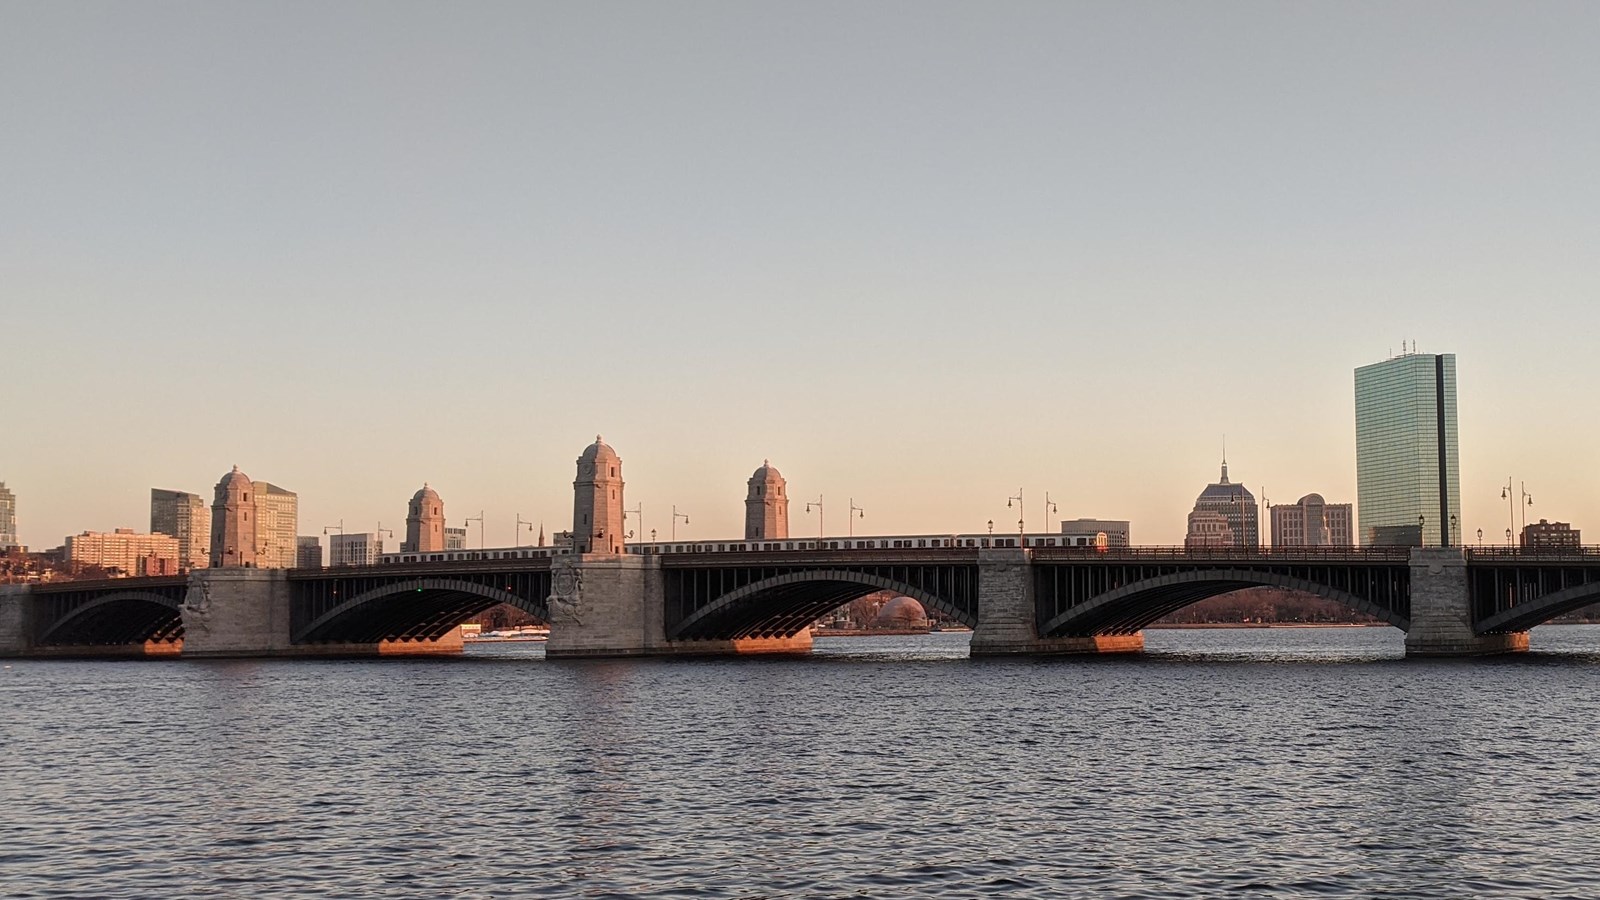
point(566, 595)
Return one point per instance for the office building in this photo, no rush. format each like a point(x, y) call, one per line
point(1096, 532)
point(1312, 522)
point(455, 538)
point(308, 552)
point(354, 549)
point(1237, 507)
point(8, 518)
point(277, 526)
point(1408, 460)
point(184, 516)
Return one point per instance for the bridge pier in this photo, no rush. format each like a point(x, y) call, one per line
point(609, 605)
point(1008, 618)
point(1441, 610)
point(16, 619)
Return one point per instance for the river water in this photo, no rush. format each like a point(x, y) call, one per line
point(1281, 762)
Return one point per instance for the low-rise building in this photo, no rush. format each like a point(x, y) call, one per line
point(1547, 535)
point(455, 538)
point(307, 552)
point(1096, 532)
point(124, 550)
point(1313, 522)
point(354, 549)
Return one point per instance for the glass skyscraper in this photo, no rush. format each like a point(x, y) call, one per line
point(1408, 459)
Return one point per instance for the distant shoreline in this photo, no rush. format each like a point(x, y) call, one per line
point(1176, 625)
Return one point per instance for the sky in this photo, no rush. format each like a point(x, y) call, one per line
point(920, 255)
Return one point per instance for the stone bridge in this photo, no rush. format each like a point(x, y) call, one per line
point(1038, 600)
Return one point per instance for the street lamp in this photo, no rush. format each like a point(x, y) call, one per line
point(1527, 501)
point(1021, 528)
point(652, 535)
point(479, 519)
point(1422, 534)
point(1455, 532)
point(1049, 507)
point(991, 534)
point(818, 505)
point(859, 514)
point(1480, 537)
point(339, 528)
point(1508, 537)
point(378, 538)
point(675, 517)
point(638, 512)
point(520, 524)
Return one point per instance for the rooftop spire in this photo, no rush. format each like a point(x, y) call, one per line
point(1224, 460)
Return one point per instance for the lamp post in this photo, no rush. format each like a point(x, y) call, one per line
point(479, 519)
point(378, 539)
point(1527, 501)
point(1511, 509)
point(1049, 507)
point(1480, 537)
point(652, 535)
point(818, 505)
point(991, 534)
point(638, 512)
point(1455, 532)
point(1264, 519)
point(856, 513)
point(339, 528)
point(675, 517)
point(1422, 534)
point(1508, 538)
point(1022, 529)
point(520, 524)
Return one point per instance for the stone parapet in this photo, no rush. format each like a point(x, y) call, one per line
point(605, 605)
point(1441, 610)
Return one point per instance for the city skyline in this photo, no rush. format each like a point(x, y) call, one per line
point(1063, 248)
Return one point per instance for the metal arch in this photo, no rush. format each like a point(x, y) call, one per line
point(1166, 594)
point(817, 579)
point(78, 613)
point(1524, 616)
point(410, 586)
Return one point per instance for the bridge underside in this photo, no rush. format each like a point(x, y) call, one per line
point(1514, 617)
point(408, 609)
point(784, 603)
point(131, 621)
point(1131, 606)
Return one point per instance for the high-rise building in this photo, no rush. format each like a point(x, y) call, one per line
point(1237, 507)
point(124, 550)
point(766, 505)
point(1097, 532)
point(1548, 535)
point(307, 552)
point(185, 517)
point(597, 501)
point(354, 549)
point(1408, 459)
point(277, 526)
point(233, 522)
point(1312, 522)
point(424, 522)
point(455, 538)
point(8, 518)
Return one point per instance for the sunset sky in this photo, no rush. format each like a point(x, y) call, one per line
point(917, 254)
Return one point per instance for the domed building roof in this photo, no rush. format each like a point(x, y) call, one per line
point(902, 610)
point(767, 474)
point(1312, 500)
point(1224, 491)
point(427, 493)
point(597, 451)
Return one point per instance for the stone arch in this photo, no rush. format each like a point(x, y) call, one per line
point(443, 604)
point(1524, 616)
point(122, 617)
point(1130, 608)
point(783, 605)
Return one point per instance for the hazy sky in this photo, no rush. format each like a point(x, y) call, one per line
point(919, 254)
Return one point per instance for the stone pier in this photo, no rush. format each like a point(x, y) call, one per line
point(1008, 619)
point(1441, 609)
point(606, 605)
point(16, 620)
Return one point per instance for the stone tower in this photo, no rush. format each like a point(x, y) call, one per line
point(233, 522)
point(766, 506)
point(424, 522)
point(597, 501)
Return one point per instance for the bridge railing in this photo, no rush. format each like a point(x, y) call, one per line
point(1229, 554)
point(1539, 554)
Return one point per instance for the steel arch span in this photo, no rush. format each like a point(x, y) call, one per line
point(121, 617)
point(783, 605)
point(414, 609)
point(1129, 608)
point(1532, 613)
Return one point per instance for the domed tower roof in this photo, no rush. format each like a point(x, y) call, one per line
point(767, 474)
point(597, 451)
point(234, 480)
point(426, 494)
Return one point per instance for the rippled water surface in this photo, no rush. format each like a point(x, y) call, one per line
point(1285, 762)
